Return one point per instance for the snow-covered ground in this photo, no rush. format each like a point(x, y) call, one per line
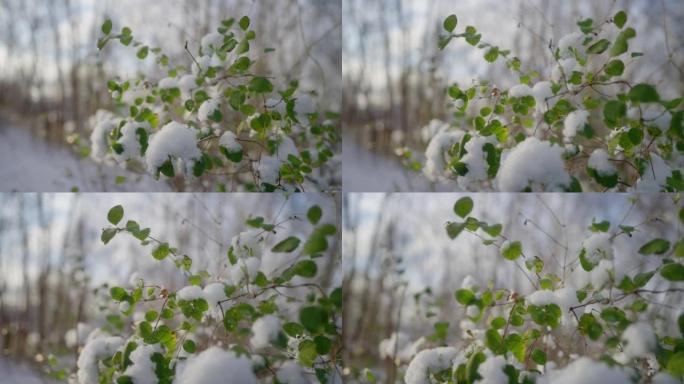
point(29, 164)
point(15, 373)
point(365, 171)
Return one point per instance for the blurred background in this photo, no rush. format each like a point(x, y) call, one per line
point(53, 265)
point(52, 77)
point(400, 265)
point(395, 77)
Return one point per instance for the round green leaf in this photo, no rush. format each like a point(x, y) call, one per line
point(620, 19)
point(313, 318)
point(655, 246)
point(118, 293)
point(450, 23)
point(463, 206)
point(189, 346)
point(615, 67)
point(464, 296)
point(314, 214)
point(287, 245)
point(107, 27)
point(673, 272)
point(305, 268)
point(539, 356)
point(512, 250)
point(115, 214)
point(598, 47)
point(644, 93)
point(108, 234)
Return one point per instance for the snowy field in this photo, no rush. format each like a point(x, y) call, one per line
point(14, 373)
point(365, 171)
point(29, 164)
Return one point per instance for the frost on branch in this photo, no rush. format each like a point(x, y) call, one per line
point(597, 128)
point(214, 123)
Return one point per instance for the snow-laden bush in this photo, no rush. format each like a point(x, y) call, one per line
point(585, 127)
point(263, 317)
point(217, 124)
point(594, 321)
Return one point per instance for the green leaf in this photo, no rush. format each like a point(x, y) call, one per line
point(589, 326)
point(450, 23)
point(494, 342)
point(512, 250)
point(287, 245)
point(615, 67)
point(655, 246)
point(601, 226)
point(314, 214)
point(492, 230)
point(680, 322)
point(260, 85)
point(293, 329)
point(189, 346)
point(492, 54)
point(313, 318)
point(620, 19)
point(107, 27)
point(464, 296)
point(307, 353)
point(673, 272)
point(454, 229)
point(115, 214)
point(142, 52)
point(621, 42)
point(539, 356)
point(305, 268)
point(108, 234)
point(613, 111)
point(244, 23)
point(463, 206)
point(675, 365)
point(161, 252)
point(643, 93)
point(598, 47)
point(118, 293)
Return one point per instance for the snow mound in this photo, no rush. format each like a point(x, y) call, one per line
point(535, 164)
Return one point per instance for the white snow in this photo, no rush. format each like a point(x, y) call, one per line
point(187, 84)
point(586, 371)
point(405, 348)
point(599, 161)
point(542, 91)
point(598, 246)
point(269, 170)
point(173, 140)
point(78, 335)
point(435, 154)
point(286, 146)
point(492, 371)
point(534, 163)
point(290, 372)
point(142, 369)
point(427, 361)
point(228, 140)
point(245, 268)
point(213, 293)
point(211, 40)
point(95, 349)
point(520, 90)
point(167, 83)
point(664, 378)
point(191, 292)
point(476, 161)
point(129, 141)
point(431, 129)
point(542, 297)
point(574, 122)
point(207, 109)
point(639, 340)
point(655, 175)
point(572, 40)
point(102, 123)
point(215, 366)
point(566, 67)
point(264, 331)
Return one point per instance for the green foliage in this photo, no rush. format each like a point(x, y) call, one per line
point(287, 245)
point(512, 250)
point(463, 206)
point(655, 246)
point(115, 214)
point(450, 23)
